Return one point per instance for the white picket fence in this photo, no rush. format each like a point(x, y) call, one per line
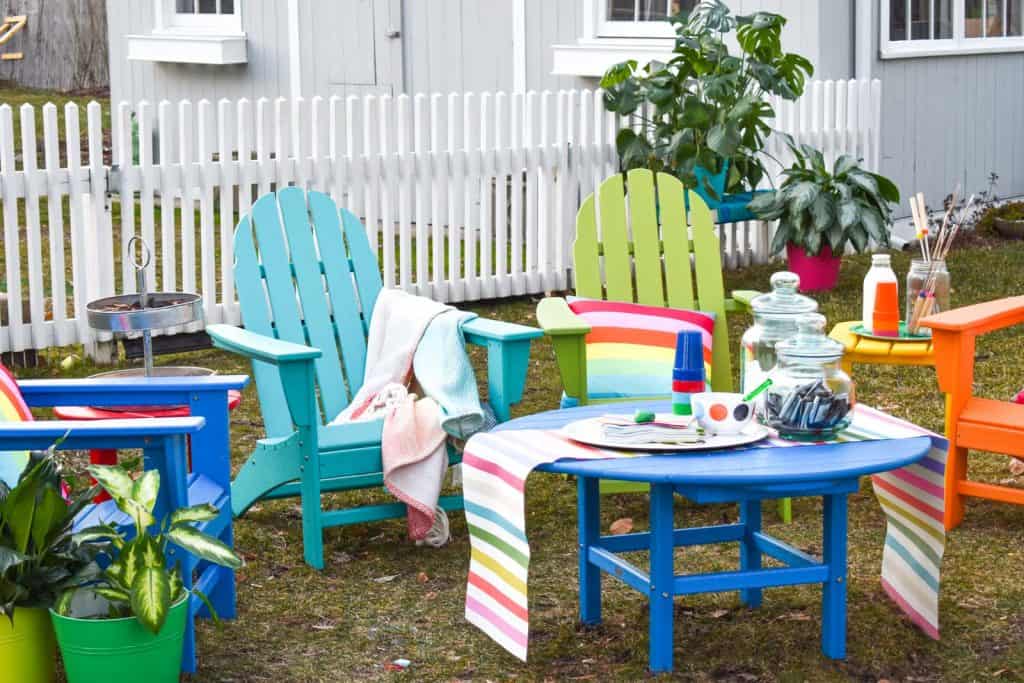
point(467, 196)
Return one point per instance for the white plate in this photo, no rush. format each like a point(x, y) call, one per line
point(589, 431)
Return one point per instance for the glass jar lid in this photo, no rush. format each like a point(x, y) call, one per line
point(810, 341)
point(783, 299)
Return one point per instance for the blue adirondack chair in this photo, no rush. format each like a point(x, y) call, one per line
point(307, 281)
point(164, 447)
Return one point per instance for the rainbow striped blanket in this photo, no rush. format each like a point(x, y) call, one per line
point(495, 466)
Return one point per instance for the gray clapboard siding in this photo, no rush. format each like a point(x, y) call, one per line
point(952, 119)
point(64, 44)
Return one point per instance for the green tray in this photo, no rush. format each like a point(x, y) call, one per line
point(905, 336)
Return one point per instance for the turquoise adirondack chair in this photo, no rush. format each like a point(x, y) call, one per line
point(307, 281)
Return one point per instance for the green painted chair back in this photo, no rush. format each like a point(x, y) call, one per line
point(305, 273)
point(623, 252)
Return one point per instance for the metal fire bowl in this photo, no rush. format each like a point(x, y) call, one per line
point(165, 309)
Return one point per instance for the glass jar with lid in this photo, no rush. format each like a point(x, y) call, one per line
point(810, 397)
point(775, 315)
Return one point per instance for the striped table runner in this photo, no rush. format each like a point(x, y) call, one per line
point(495, 466)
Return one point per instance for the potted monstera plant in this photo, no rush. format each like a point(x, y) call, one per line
point(39, 559)
point(128, 623)
point(820, 210)
point(704, 115)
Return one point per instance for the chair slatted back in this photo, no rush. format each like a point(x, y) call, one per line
point(636, 247)
point(305, 273)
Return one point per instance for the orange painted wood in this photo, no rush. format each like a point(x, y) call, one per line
point(972, 422)
point(1003, 494)
point(979, 318)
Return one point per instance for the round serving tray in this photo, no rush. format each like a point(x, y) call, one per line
point(905, 336)
point(589, 431)
point(124, 314)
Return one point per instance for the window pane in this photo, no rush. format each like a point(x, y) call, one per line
point(227, 6)
point(207, 6)
point(1013, 17)
point(621, 10)
point(920, 20)
point(943, 19)
point(897, 20)
point(653, 10)
point(973, 10)
point(184, 6)
point(994, 19)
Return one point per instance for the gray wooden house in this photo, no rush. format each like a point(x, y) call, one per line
point(952, 71)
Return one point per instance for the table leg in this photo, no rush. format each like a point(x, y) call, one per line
point(662, 575)
point(833, 597)
point(211, 457)
point(750, 556)
point(588, 518)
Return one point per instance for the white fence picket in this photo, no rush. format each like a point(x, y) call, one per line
point(464, 195)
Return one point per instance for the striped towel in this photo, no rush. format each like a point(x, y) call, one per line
point(496, 464)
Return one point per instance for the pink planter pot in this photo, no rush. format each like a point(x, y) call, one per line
point(817, 273)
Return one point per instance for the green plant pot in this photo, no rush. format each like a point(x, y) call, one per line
point(121, 649)
point(28, 652)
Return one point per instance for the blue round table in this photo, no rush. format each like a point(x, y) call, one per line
point(745, 475)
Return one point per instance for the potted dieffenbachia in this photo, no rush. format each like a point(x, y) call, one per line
point(129, 623)
point(821, 210)
point(39, 560)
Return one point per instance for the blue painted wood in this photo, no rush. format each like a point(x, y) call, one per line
point(750, 553)
point(40, 393)
point(660, 592)
point(588, 501)
point(744, 474)
point(783, 552)
point(723, 582)
point(833, 594)
point(607, 561)
point(307, 282)
point(718, 533)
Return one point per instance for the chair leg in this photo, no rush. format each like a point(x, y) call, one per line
point(956, 471)
point(312, 510)
point(786, 510)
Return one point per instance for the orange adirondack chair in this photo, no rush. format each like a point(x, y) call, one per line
point(973, 422)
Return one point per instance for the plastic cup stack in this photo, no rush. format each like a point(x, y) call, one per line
point(688, 371)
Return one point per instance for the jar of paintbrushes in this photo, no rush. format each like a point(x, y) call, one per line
point(928, 282)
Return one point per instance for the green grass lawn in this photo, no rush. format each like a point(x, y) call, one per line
point(347, 622)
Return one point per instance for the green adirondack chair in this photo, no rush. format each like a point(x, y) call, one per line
point(670, 267)
point(307, 281)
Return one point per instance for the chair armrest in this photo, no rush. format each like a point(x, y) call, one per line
point(557, 319)
point(97, 434)
point(979, 318)
point(481, 330)
point(258, 346)
point(508, 359)
point(741, 299)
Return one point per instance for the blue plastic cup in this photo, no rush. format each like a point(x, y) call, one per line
point(689, 364)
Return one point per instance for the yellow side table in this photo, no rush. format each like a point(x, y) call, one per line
point(875, 351)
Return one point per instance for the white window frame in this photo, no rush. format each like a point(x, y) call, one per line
point(169, 20)
point(593, 53)
point(959, 44)
point(606, 28)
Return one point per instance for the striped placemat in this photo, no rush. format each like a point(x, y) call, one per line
point(495, 466)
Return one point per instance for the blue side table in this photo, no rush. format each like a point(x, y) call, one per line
point(209, 480)
point(746, 476)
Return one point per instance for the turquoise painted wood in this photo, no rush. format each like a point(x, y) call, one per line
point(307, 281)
